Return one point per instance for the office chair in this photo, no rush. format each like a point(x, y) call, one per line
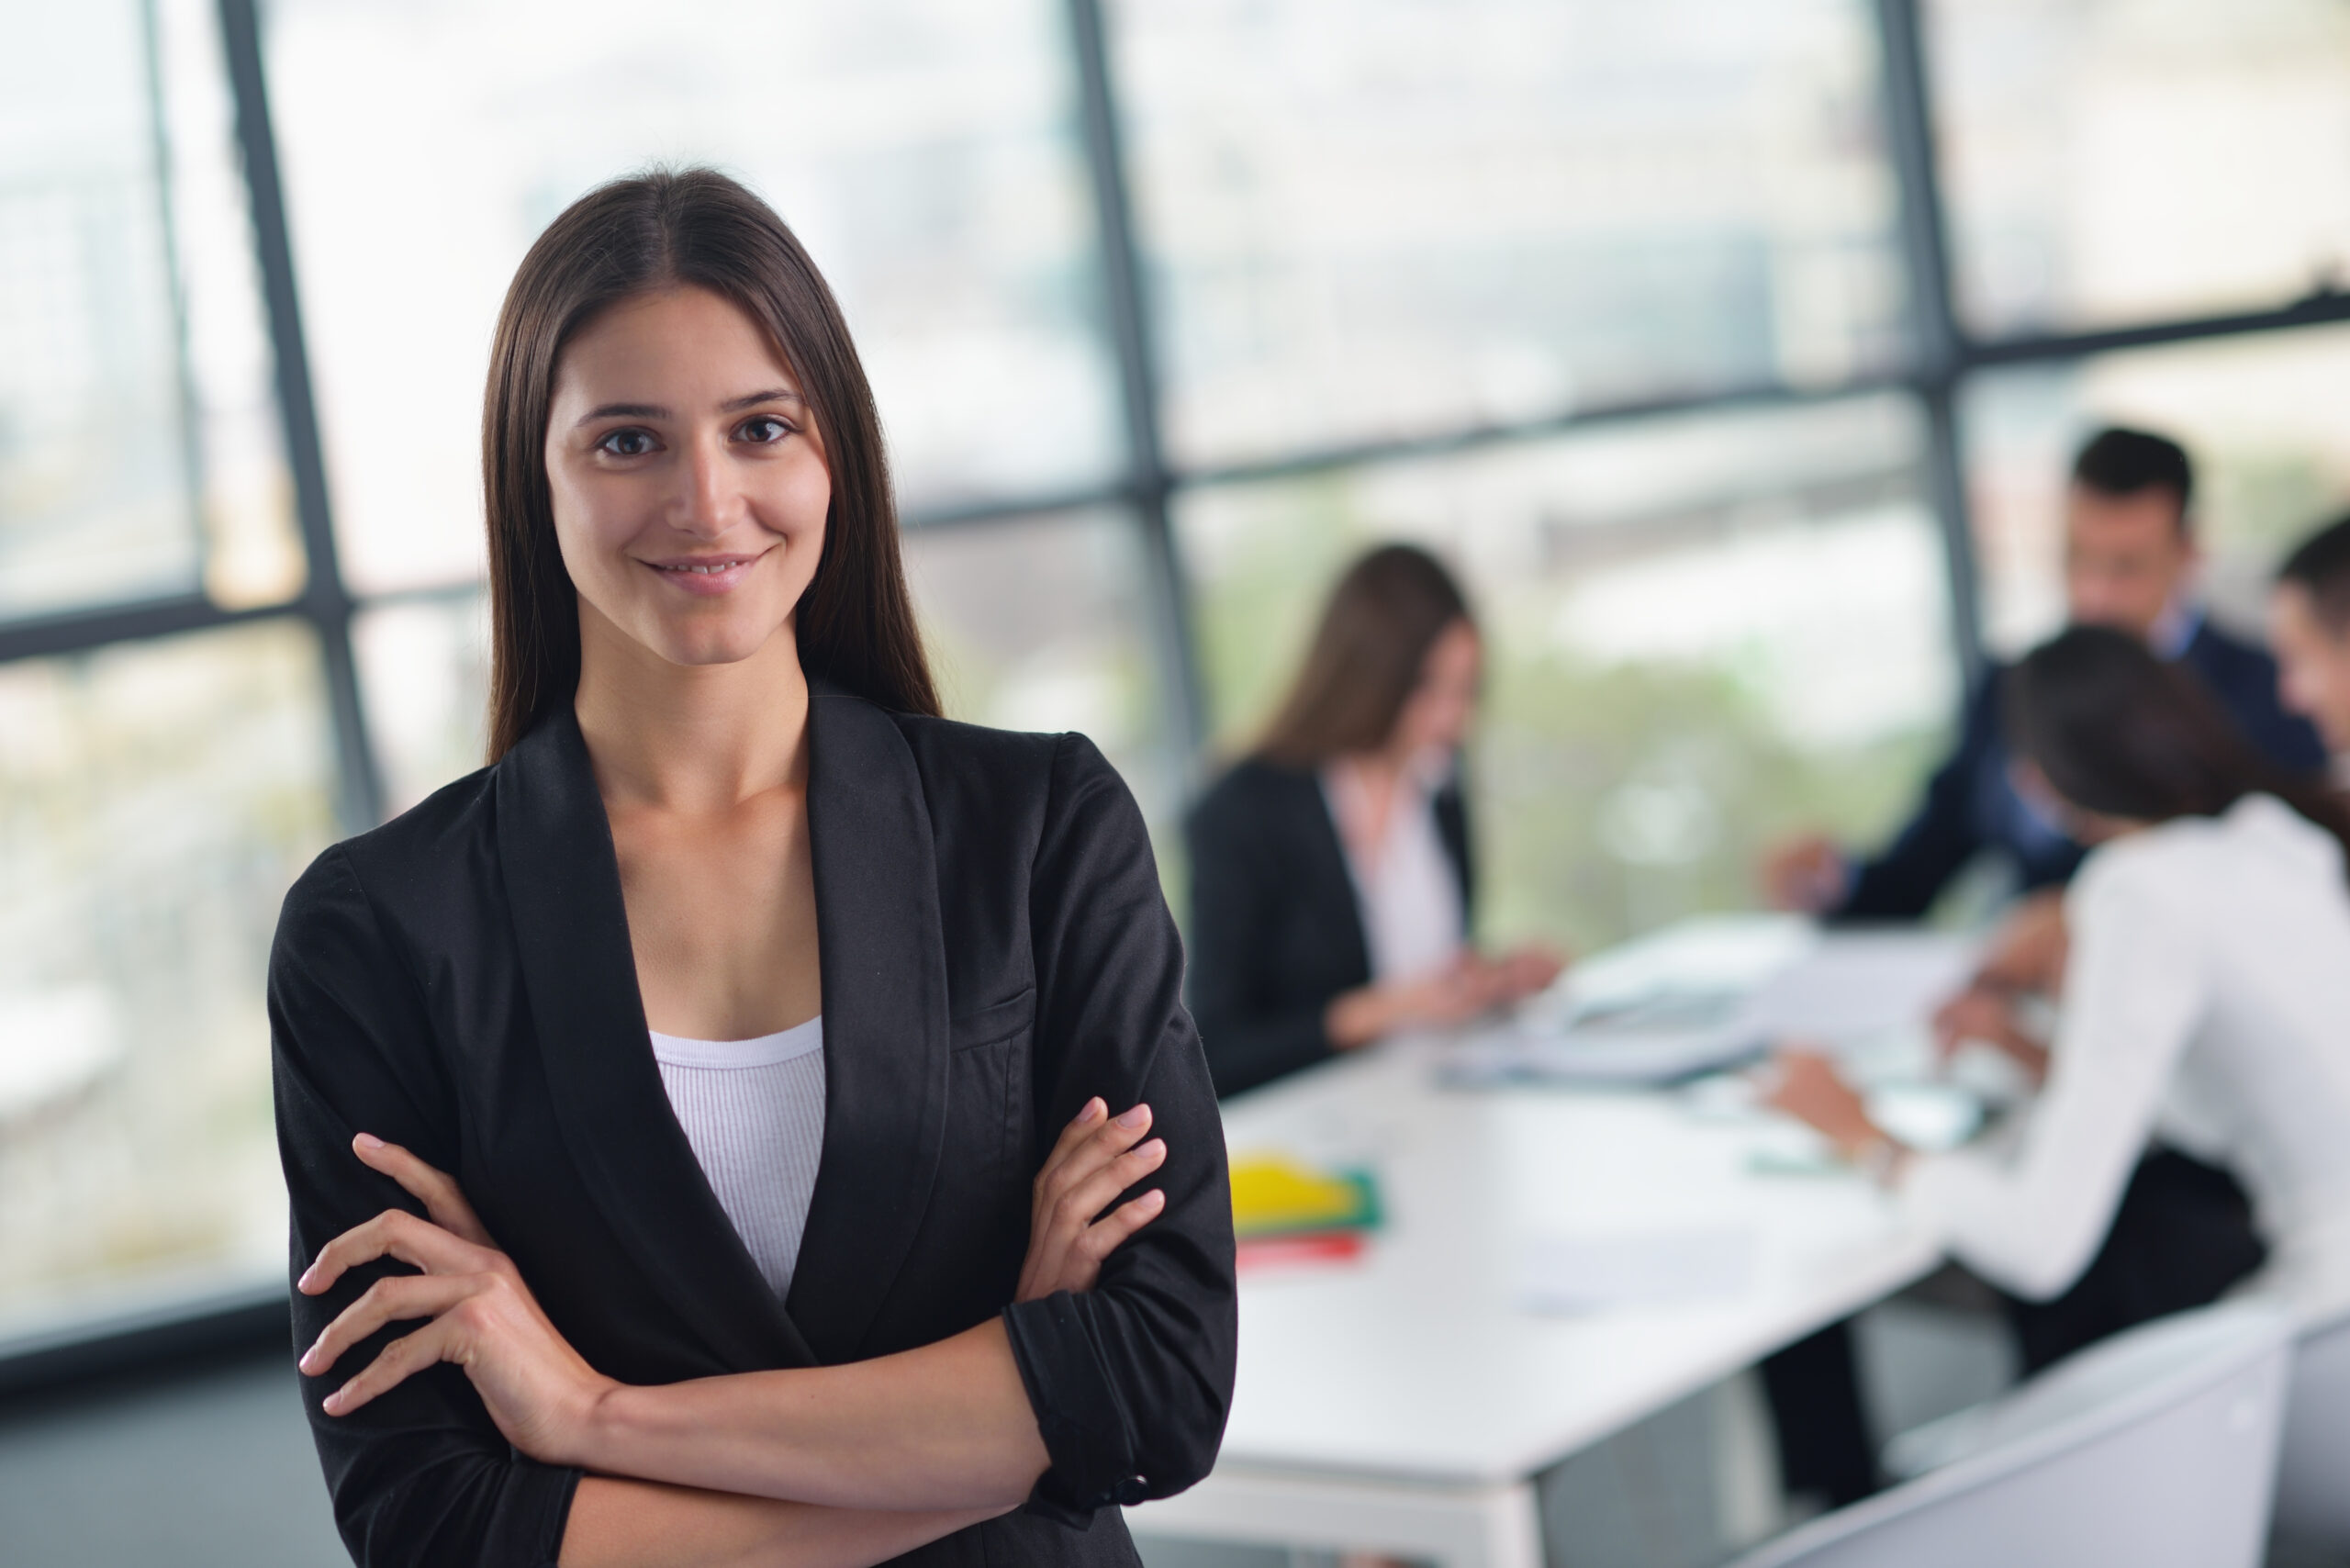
point(2156, 1448)
point(2313, 1472)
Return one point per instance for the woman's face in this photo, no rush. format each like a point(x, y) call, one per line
point(1438, 715)
point(687, 477)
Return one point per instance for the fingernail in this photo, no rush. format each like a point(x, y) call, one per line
point(369, 1140)
point(1094, 1109)
point(304, 1283)
point(1135, 1117)
point(331, 1400)
point(1156, 1198)
point(1153, 1149)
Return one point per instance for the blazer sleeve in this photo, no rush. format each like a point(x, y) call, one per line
point(421, 1475)
point(1132, 1380)
point(1903, 881)
point(1249, 1039)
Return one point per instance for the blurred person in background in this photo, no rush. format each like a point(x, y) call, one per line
point(1332, 884)
point(2309, 625)
point(2129, 563)
point(705, 1051)
point(2198, 1042)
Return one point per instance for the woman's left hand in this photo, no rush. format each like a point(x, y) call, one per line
point(1808, 1088)
point(1522, 972)
point(1096, 1158)
point(483, 1317)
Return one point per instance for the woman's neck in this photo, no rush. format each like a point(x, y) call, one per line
point(1369, 785)
point(691, 738)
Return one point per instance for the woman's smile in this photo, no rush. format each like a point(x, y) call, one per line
point(705, 575)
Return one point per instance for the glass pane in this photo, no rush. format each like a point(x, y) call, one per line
point(424, 677)
point(2107, 160)
point(1372, 218)
point(2260, 416)
point(252, 544)
point(94, 459)
point(1042, 623)
point(920, 148)
point(1699, 632)
point(155, 801)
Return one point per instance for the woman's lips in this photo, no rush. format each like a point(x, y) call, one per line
point(703, 576)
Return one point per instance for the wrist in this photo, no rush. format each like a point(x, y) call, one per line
point(595, 1428)
point(1880, 1159)
point(1353, 1018)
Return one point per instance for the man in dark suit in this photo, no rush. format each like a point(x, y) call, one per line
point(2129, 558)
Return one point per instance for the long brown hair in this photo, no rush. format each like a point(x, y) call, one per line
point(668, 229)
point(2121, 733)
point(1366, 657)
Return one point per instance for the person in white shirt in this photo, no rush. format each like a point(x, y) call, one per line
point(2205, 1010)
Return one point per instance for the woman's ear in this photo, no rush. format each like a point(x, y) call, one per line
point(2038, 793)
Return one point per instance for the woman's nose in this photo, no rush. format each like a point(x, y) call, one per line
point(708, 498)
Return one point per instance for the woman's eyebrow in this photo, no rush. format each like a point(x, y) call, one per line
point(625, 412)
point(661, 410)
point(752, 400)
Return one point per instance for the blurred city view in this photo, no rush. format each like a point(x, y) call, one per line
point(1617, 303)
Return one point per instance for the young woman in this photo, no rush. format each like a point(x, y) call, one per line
point(2204, 995)
point(1331, 880)
point(673, 1089)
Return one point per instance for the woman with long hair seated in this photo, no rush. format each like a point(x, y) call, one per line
point(753, 1119)
point(2205, 1000)
point(1331, 877)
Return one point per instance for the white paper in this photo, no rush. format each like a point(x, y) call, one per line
point(1860, 983)
point(1710, 992)
point(1589, 1273)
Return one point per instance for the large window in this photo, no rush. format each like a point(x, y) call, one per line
point(1368, 219)
point(1731, 349)
point(1702, 630)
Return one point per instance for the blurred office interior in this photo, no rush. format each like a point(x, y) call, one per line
point(1732, 349)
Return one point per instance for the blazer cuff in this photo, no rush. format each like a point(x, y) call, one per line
point(1083, 1421)
point(533, 1513)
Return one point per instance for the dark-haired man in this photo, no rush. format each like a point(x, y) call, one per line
point(2129, 558)
point(2309, 625)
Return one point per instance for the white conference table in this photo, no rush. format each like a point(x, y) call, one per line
point(1405, 1401)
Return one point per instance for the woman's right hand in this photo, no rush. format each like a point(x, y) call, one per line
point(1096, 1158)
point(1453, 995)
point(1982, 1013)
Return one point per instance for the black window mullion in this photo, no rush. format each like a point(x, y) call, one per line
point(1148, 483)
point(325, 601)
point(1938, 340)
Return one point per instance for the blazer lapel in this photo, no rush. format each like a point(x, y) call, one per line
point(554, 847)
point(884, 966)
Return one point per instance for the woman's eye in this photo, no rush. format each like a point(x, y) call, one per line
point(764, 428)
point(627, 444)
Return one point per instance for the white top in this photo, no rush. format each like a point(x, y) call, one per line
point(1406, 890)
point(754, 1112)
point(2207, 997)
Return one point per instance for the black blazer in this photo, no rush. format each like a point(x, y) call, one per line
point(995, 950)
point(1971, 806)
point(1276, 932)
